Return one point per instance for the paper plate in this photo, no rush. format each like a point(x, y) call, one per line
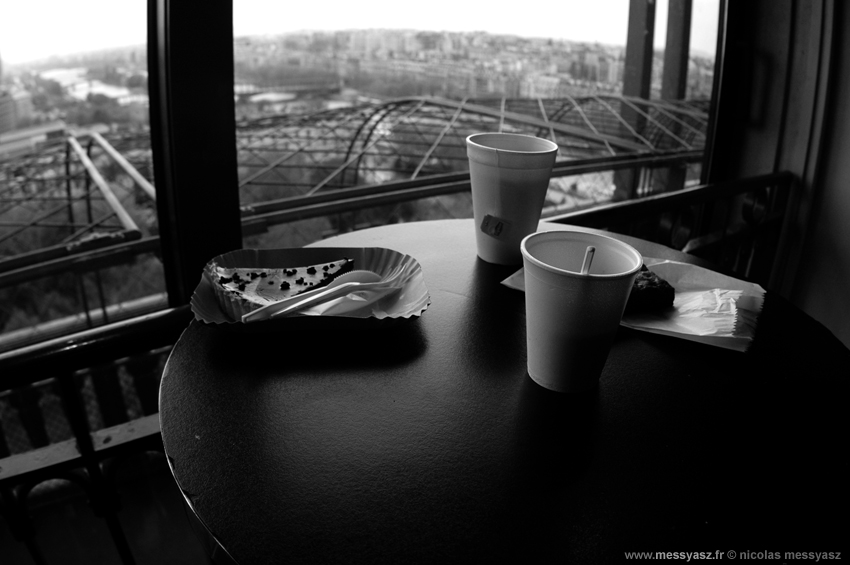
point(409, 302)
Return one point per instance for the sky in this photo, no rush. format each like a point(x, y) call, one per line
point(35, 29)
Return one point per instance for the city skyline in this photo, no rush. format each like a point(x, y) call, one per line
point(27, 36)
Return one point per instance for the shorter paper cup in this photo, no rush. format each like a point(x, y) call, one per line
point(509, 174)
point(572, 319)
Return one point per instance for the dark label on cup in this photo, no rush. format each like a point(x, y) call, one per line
point(495, 227)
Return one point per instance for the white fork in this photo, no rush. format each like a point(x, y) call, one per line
point(342, 285)
point(341, 290)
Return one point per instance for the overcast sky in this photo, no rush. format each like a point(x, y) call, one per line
point(34, 29)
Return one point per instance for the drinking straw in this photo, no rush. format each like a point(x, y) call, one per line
point(588, 259)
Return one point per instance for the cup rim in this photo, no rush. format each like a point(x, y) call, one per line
point(526, 254)
point(553, 147)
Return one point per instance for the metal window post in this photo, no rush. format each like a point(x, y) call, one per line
point(674, 80)
point(193, 136)
point(637, 80)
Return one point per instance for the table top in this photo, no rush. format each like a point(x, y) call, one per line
point(427, 441)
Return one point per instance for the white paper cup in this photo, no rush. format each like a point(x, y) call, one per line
point(509, 174)
point(572, 319)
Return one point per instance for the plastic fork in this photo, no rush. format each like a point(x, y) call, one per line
point(346, 286)
point(342, 285)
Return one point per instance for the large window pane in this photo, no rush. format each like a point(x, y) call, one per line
point(78, 220)
point(350, 96)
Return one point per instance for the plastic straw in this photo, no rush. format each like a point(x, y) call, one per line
point(588, 259)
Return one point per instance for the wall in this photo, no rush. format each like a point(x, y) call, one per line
point(823, 281)
point(780, 108)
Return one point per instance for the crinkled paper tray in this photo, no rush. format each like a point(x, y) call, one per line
point(409, 302)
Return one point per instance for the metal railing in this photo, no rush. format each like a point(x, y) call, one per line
point(737, 225)
point(60, 368)
point(81, 198)
point(261, 216)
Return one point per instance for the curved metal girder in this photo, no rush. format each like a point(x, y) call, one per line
point(530, 120)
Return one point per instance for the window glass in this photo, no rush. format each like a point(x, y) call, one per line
point(78, 222)
point(345, 112)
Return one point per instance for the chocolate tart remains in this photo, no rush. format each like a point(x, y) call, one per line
point(650, 293)
point(241, 290)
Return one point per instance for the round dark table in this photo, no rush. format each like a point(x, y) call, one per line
point(427, 442)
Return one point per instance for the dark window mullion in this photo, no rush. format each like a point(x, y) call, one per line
point(193, 136)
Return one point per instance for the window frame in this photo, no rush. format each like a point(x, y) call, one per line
point(775, 72)
point(193, 137)
point(193, 130)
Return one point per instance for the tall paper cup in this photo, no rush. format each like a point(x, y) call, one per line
point(509, 175)
point(572, 319)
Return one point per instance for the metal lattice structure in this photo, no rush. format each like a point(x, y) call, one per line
point(79, 213)
point(416, 137)
point(69, 198)
point(69, 194)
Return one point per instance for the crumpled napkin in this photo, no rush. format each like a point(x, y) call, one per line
point(709, 312)
point(708, 307)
